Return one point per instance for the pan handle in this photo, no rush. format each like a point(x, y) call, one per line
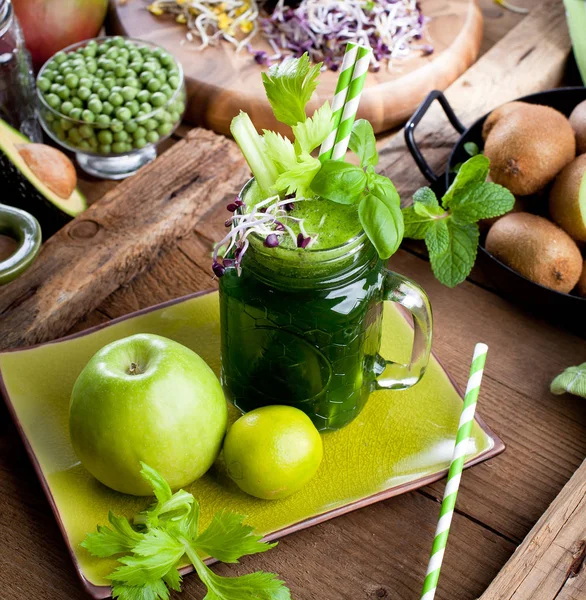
point(414, 121)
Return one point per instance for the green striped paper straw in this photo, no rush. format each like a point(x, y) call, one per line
point(455, 473)
point(325, 152)
point(352, 100)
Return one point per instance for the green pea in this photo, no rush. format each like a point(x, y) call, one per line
point(83, 145)
point(133, 82)
point(152, 137)
point(93, 142)
point(74, 135)
point(86, 131)
point(146, 107)
point(84, 93)
point(66, 107)
point(123, 113)
point(48, 75)
point(105, 137)
point(133, 107)
point(53, 100)
point(117, 89)
point(165, 129)
point(123, 52)
point(116, 99)
point(76, 62)
point(88, 116)
point(75, 113)
point(130, 126)
point(144, 50)
point(173, 72)
point(65, 124)
point(71, 81)
point(154, 85)
point(49, 117)
point(151, 124)
point(143, 95)
point(55, 87)
point(136, 66)
point(128, 93)
point(116, 125)
point(112, 53)
point(173, 81)
point(80, 71)
point(43, 84)
point(140, 114)
point(140, 143)
point(167, 90)
point(163, 116)
point(120, 70)
point(161, 75)
point(120, 81)
point(60, 57)
point(95, 105)
point(59, 132)
point(91, 66)
point(103, 120)
point(166, 59)
point(66, 71)
point(121, 136)
point(59, 79)
point(77, 102)
point(150, 66)
point(100, 73)
point(103, 93)
point(139, 132)
point(105, 149)
point(96, 85)
point(107, 108)
point(89, 51)
point(84, 81)
point(109, 82)
point(117, 41)
point(144, 77)
point(158, 99)
point(63, 92)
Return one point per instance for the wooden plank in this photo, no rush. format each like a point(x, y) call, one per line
point(117, 237)
point(548, 565)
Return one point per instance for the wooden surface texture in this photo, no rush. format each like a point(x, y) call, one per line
point(379, 552)
point(221, 82)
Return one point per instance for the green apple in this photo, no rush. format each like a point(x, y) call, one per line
point(147, 398)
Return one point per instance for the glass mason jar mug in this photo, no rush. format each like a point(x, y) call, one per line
point(304, 328)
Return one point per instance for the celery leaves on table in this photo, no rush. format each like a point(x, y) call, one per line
point(151, 549)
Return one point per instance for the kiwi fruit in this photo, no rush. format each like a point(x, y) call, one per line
point(499, 113)
point(567, 199)
point(581, 287)
point(578, 123)
point(528, 146)
point(537, 249)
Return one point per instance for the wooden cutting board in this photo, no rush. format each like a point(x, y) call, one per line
point(221, 83)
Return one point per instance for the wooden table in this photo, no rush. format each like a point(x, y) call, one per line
point(380, 551)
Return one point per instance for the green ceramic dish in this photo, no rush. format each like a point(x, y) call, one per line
point(401, 441)
point(25, 229)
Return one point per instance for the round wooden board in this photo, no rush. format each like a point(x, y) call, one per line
point(220, 82)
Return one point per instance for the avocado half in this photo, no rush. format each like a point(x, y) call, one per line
point(22, 188)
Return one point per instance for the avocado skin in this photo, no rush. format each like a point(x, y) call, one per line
point(19, 192)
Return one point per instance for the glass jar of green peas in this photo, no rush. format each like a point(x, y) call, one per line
point(111, 100)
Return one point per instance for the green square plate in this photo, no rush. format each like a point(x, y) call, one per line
point(401, 440)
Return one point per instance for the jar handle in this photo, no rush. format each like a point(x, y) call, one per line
point(403, 291)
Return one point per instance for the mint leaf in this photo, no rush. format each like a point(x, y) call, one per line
point(471, 148)
point(437, 237)
point(339, 182)
point(297, 179)
point(453, 265)
point(416, 226)
point(311, 133)
point(227, 539)
point(382, 222)
point(426, 197)
point(473, 171)
point(481, 201)
point(280, 150)
point(363, 143)
point(289, 86)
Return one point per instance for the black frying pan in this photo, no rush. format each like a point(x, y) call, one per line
point(564, 308)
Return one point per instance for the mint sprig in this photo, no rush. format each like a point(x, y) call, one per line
point(162, 536)
point(379, 205)
point(450, 229)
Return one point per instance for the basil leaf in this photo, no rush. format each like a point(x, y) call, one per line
point(383, 188)
point(453, 265)
point(339, 182)
point(363, 143)
point(383, 224)
point(482, 201)
point(473, 171)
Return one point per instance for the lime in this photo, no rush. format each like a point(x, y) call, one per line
point(273, 451)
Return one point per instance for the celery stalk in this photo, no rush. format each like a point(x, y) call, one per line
point(253, 148)
point(576, 16)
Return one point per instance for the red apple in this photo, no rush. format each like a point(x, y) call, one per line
point(51, 25)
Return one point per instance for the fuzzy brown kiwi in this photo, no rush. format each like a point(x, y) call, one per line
point(578, 123)
point(528, 147)
point(567, 199)
point(537, 249)
point(499, 113)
